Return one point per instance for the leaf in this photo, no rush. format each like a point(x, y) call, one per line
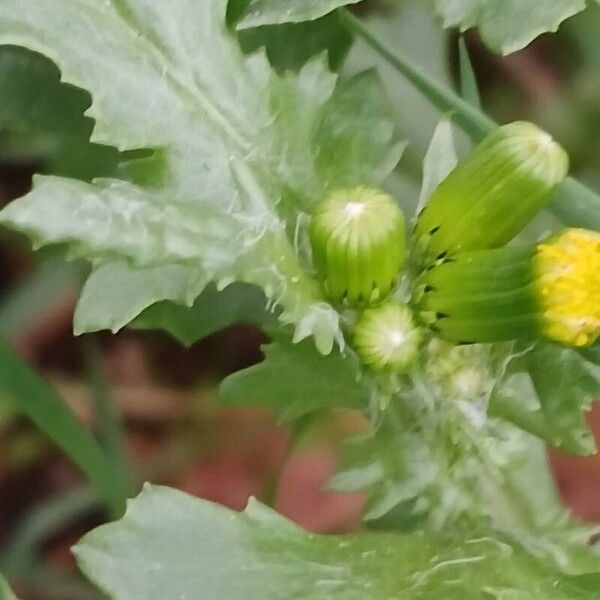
point(291, 45)
point(237, 151)
point(171, 546)
point(361, 151)
point(440, 160)
point(392, 463)
point(295, 380)
point(212, 311)
point(508, 25)
point(274, 12)
point(5, 591)
point(29, 394)
point(44, 118)
point(528, 509)
point(566, 389)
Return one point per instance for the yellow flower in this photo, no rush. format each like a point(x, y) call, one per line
point(550, 290)
point(568, 285)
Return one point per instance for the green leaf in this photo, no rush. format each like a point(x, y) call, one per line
point(566, 389)
point(441, 158)
point(361, 151)
point(212, 311)
point(238, 152)
point(291, 45)
point(391, 462)
point(5, 591)
point(528, 509)
point(508, 25)
point(295, 380)
point(170, 545)
point(44, 118)
point(274, 12)
point(29, 394)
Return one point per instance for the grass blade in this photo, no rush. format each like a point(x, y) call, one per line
point(31, 395)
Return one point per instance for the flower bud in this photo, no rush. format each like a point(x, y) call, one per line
point(358, 241)
point(493, 193)
point(550, 290)
point(386, 338)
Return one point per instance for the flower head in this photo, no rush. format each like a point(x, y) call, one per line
point(568, 286)
point(358, 241)
point(550, 290)
point(493, 193)
point(386, 338)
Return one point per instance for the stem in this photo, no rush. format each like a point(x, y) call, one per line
point(574, 204)
point(468, 118)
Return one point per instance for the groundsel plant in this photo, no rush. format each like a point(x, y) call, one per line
point(262, 195)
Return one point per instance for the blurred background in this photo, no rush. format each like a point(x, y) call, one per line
point(152, 402)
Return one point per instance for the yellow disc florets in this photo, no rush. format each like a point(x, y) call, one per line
point(568, 283)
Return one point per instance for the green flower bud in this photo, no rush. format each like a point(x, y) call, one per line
point(493, 193)
point(358, 241)
point(549, 290)
point(386, 338)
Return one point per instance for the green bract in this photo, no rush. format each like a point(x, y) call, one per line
point(386, 338)
point(493, 193)
point(358, 242)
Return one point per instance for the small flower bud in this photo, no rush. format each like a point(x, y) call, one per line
point(358, 241)
point(550, 290)
point(386, 338)
point(493, 193)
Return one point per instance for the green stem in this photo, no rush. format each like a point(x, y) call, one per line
point(574, 204)
point(467, 117)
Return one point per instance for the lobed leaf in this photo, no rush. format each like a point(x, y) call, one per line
point(212, 311)
point(172, 546)
point(566, 389)
point(391, 463)
point(273, 12)
point(291, 45)
point(295, 380)
point(508, 25)
point(236, 166)
point(43, 118)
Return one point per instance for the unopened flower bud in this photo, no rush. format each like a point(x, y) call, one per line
point(386, 338)
point(493, 193)
point(550, 290)
point(358, 241)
